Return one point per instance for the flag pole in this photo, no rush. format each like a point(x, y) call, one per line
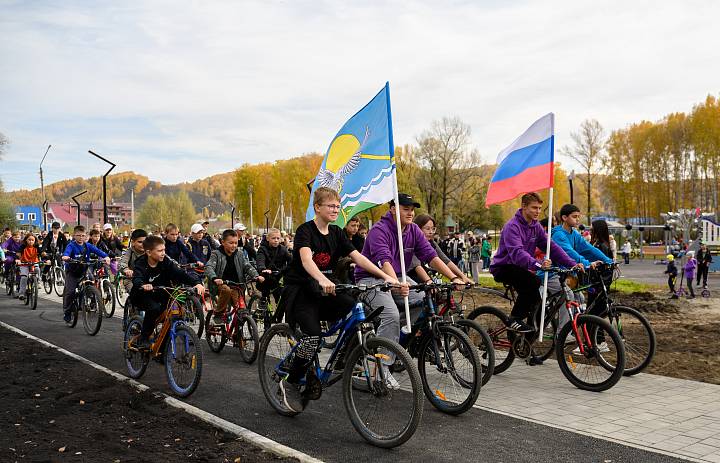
point(401, 248)
point(549, 233)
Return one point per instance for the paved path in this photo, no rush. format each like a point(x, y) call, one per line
point(676, 417)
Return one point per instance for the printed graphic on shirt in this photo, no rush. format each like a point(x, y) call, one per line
point(321, 259)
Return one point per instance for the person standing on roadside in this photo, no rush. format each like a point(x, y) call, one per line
point(626, 250)
point(704, 259)
point(690, 267)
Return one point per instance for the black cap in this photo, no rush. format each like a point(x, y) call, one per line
point(55, 225)
point(405, 200)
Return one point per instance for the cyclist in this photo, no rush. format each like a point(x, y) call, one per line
point(382, 246)
point(226, 264)
point(420, 273)
point(113, 244)
point(309, 294)
point(77, 249)
point(135, 251)
point(208, 237)
point(515, 264)
point(12, 246)
point(199, 246)
point(150, 270)
point(52, 246)
point(175, 248)
point(29, 252)
point(272, 257)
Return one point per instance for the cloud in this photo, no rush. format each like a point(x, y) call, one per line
point(178, 91)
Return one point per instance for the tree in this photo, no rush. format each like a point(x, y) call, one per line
point(7, 212)
point(588, 152)
point(447, 163)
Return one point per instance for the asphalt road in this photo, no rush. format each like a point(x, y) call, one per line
point(230, 389)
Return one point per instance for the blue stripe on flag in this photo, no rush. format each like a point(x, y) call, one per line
point(524, 158)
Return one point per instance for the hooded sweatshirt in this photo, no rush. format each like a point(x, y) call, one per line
point(576, 247)
point(382, 246)
point(518, 242)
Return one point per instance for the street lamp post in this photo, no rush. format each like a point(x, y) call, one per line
point(42, 190)
point(74, 198)
point(232, 215)
point(250, 193)
point(104, 180)
point(571, 177)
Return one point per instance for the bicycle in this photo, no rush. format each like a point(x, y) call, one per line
point(356, 359)
point(195, 317)
point(448, 363)
point(121, 293)
point(238, 326)
point(106, 288)
point(31, 291)
point(86, 299)
point(581, 357)
point(174, 343)
point(263, 309)
point(12, 280)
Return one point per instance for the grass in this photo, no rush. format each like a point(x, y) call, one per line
point(628, 286)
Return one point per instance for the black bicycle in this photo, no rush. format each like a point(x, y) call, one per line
point(86, 299)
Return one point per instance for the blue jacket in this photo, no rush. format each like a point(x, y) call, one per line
point(576, 247)
point(75, 251)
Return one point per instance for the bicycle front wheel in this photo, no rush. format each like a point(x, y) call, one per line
point(492, 321)
point(247, 338)
point(108, 298)
point(387, 410)
point(450, 370)
point(59, 280)
point(33, 293)
point(595, 360)
point(92, 310)
point(120, 294)
point(183, 361)
point(638, 336)
point(214, 334)
point(481, 340)
point(48, 283)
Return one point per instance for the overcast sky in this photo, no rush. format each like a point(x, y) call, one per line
point(182, 90)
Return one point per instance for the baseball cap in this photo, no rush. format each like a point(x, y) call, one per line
point(405, 200)
point(197, 228)
point(107, 226)
point(56, 225)
point(239, 227)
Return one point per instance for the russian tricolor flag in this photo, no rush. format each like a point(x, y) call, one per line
point(526, 165)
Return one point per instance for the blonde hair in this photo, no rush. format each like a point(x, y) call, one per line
point(323, 193)
point(272, 230)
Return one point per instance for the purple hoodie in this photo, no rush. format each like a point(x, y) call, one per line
point(518, 241)
point(12, 247)
point(690, 267)
point(381, 246)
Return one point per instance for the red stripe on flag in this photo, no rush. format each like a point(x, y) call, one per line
point(532, 179)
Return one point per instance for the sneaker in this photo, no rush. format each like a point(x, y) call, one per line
point(21, 297)
point(603, 347)
point(390, 380)
point(291, 396)
point(704, 286)
point(519, 326)
point(67, 317)
point(570, 339)
point(534, 360)
point(219, 318)
point(674, 296)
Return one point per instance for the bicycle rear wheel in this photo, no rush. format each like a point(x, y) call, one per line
point(492, 321)
point(385, 415)
point(48, 282)
point(183, 361)
point(59, 280)
point(481, 340)
point(591, 370)
point(108, 298)
point(450, 370)
point(638, 336)
point(273, 356)
point(135, 361)
point(92, 310)
point(248, 339)
point(120, 294)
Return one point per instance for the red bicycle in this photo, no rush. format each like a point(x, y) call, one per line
point(238, 327)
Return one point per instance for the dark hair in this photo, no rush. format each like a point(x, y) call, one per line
point(528, 198)
point(600, 232)
point(151, 242)
point(55, 225)
point(229, 232)
point(353, 219)
point(78, 228)
point(568, 209)
point(362, 227)
point(423, 219)
point(138, 233)
point(94, 232)
point(28, 236)
point(544, 222)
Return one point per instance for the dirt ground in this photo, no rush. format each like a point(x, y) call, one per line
point(55, 408)
point(686, 332)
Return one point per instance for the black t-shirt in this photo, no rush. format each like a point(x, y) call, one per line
point(230, 271)
point(326, 250)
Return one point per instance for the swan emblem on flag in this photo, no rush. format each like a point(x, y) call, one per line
point(343, 157)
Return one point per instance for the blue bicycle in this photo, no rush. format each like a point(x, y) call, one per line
point(385, 413)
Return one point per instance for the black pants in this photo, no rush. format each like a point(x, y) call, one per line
point(153, 303)
point(308, 311)
point(597, 300)
point(690, 287)
point(270, 286)
point(671, 283)
point(525, 283)
point(702, 272)
point(71, 284)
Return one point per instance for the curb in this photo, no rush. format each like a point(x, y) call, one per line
point(246, 434)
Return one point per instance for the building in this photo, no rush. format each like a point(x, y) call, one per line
point(29, 217)
point(118, 213)
point(66, 214)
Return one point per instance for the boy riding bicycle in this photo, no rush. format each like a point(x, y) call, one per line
point(150, 270)
point(309, 294)
point(52, 246)
point(514, 263)
point(272, 257)
point(133, 253)
point(77, 249)
point(228, 264)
